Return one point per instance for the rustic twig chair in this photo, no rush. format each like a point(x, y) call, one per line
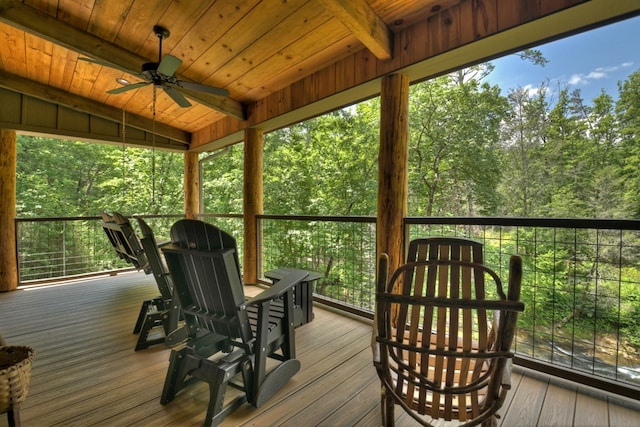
point(439, 349)
point(230, 338)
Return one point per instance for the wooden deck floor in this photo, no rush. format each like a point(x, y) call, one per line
point(86, 373)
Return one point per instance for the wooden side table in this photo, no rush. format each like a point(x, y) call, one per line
point(302, 293)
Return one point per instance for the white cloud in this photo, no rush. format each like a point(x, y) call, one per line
point(532, 90)
point(576, 79)
point(597, 74)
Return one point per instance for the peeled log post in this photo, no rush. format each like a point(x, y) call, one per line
point(191, 185)
point(253, 201)
point(393, 187)
point(8, 250)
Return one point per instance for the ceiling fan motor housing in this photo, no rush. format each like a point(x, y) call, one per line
point(150, 71)
point(161, 32)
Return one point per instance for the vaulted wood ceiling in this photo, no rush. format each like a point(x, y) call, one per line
point(274, 57)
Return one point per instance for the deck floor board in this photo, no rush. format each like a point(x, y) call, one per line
point(86, 372)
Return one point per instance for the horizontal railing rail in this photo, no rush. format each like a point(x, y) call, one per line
point(580, 286)
point(52, 248)
point(341, 248)
point(581, 281)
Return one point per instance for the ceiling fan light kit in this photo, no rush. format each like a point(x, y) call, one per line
point(122, 81)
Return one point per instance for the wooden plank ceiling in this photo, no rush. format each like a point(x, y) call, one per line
point(251, 48)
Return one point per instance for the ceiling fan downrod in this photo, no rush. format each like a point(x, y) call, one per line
point(162, 34)
point(150, 69)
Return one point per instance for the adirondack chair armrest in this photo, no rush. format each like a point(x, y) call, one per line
point(276, 291)
point(163, 243)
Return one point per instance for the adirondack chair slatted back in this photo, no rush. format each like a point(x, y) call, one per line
point(152, 252)
point(207, 278)
point(124, 240)
point(203, 262)
point(439, 354)
point(144, 254)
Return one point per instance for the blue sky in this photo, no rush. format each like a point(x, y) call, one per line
point(589, 61)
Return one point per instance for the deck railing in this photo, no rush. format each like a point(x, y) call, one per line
point(581, 281)
point(581, 289)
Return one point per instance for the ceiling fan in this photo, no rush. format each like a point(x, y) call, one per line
point(162, 74)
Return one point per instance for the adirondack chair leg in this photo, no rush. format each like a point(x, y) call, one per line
point(190, 359)
point(151, 321)
point(181, 363)
point(174, 313)
point(143, 313)
point(275, 380)
point(218, 375)
point(289, 344)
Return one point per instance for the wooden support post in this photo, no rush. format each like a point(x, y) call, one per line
point(191, 185)
point(393, 162)
point(8, 250)
point(253, 196)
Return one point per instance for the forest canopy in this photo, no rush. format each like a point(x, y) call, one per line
point(475, 150)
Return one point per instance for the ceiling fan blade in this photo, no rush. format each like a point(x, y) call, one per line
point(96, 61)
point(203, 88)
point(108, 64)
point(177, 96)
point(127, 88)
point(169, 65)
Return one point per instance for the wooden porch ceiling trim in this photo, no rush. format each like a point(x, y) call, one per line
point(39, 24)
point(51, 94)
point(459, 36)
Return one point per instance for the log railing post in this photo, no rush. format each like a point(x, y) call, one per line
point(191, 185)
point(393, 168)
point(253, 201)
point(8, 249)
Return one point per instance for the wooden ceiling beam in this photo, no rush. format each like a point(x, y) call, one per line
point(222, 103)
point(32, 21)
point(365, 24)
point(58, 96)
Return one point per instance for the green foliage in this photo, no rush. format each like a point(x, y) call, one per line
point(61, 178)
point(628, 113)
point(454, 164)
point(73, 178)
point(324, 166)
point(222, 180)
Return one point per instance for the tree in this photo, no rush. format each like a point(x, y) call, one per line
point(454, 166)
point(523, 138)
point(628, 113)
point(606, 158)
point(222, 180)
point(324, 166)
